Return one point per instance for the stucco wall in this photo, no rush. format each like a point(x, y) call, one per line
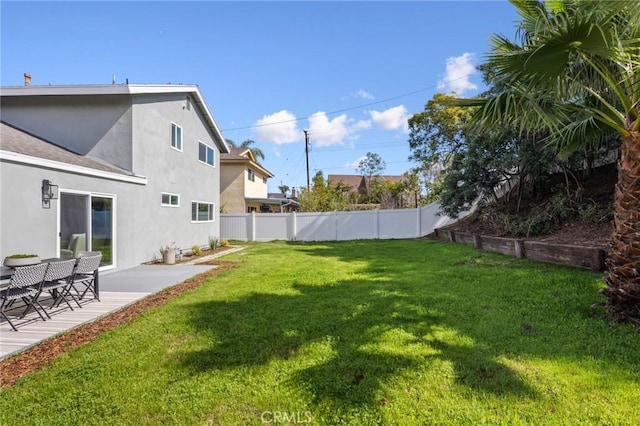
point(232, 181)
point(257, 188)
point(29, 228)
point(99, 126)
point(172, 171)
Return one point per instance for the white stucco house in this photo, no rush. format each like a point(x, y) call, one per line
point(129, 168)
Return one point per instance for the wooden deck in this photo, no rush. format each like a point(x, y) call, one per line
point(32, 329)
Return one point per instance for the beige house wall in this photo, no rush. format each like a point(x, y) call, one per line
point(258, 188)
point(232, 179)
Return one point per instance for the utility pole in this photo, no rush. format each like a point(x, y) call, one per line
point(306, 151)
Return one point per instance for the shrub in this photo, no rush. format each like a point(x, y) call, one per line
point(21, 256)
point(213, 243)
point(224, 243)
point(196, 250)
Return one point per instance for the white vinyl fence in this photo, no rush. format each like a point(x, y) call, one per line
point(333, 226)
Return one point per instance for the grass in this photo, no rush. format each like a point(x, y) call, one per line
point(360, 332)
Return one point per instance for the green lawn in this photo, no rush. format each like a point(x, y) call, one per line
point(361, 332)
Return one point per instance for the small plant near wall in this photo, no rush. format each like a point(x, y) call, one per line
point(21, 259)
point(224, 243)
point(196, 250)
point(213, 243)
point(21, 256)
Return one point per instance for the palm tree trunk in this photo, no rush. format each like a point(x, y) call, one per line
point(623, 280)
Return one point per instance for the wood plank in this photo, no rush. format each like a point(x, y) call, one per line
point(32, 330)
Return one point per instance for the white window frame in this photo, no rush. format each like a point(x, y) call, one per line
point(211, 214)
point(169, 204)
point(208, 149)
point(174, 136)
point(251, 174)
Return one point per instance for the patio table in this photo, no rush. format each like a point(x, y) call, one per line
point(5, 273)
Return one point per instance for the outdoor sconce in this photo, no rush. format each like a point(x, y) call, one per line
point(49, 192)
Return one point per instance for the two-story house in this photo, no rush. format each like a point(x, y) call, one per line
point(129, 168)
point(243, 183)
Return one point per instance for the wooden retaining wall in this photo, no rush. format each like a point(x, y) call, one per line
point(584, 257)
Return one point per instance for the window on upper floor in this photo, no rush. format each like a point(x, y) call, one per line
point(176, 137)
point(202, 211)
point(251, 175)
point(170, 200)
point(206, 154)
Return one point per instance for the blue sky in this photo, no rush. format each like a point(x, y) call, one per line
point(349, 72)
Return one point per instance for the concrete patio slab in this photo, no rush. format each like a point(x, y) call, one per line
point(149, 278)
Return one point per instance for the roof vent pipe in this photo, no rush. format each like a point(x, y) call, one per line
point(27, 79)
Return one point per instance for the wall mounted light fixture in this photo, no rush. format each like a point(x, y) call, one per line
point(49, 192)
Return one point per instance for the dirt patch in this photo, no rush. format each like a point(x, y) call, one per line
point(192, 258)
point(598, 193)
point(33, 359)
point(584, 233)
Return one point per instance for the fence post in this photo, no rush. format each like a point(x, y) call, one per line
point(335, 224)
point(294, 226)
point(252, 227)
point(377, 224)
point(519, 248)
point(419, 224)
point(477, 241)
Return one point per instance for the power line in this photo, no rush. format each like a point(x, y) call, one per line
point(340, 110)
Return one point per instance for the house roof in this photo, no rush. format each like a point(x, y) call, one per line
point(243, 155)
point(238, 154)
point(124, 89)
point(20, 142)
point(355, 180)
point(275, 201)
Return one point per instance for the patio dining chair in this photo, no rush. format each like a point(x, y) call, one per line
point(23, 285)
point(84, 276)
point(56, 279)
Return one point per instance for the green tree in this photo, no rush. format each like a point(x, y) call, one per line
point(459, 163)
point(284, 189)
point(322, 197)
point(438, 132)
point(371, 165)
point(574, 71)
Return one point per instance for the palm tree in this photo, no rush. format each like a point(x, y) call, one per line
point(257, 152)
point(575, 73)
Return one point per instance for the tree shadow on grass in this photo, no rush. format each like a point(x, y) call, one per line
point(353, 334)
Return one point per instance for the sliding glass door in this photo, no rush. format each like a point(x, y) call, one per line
point(86, 223)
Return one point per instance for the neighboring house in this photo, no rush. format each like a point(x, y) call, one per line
point(243, 185)
point(357, 184)
point(131, 168)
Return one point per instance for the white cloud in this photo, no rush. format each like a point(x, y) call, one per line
point(325, 132)
point(279, 128)
point(363, 94)
point(361, 125)
point(355, 163)
point(391, 119)
point(458, 71)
